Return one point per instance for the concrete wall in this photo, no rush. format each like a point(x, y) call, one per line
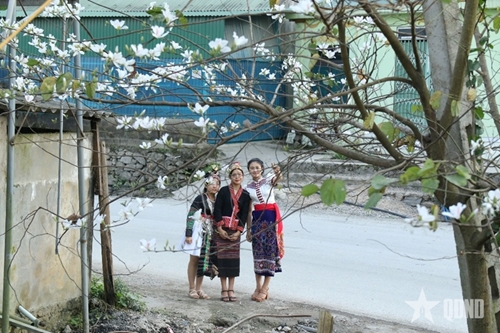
point(40, 278)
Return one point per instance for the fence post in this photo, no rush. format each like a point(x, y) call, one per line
point(325, 324)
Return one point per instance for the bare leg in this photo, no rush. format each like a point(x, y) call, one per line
point(264, 290)
point(258, 286)
point(230, 289)
point(224, 294)
point(201, 293)
point(191, 271)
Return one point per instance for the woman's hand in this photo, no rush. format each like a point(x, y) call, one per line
point(188, 240)
point(235, 236)
point(277, 174)
point(222, 233)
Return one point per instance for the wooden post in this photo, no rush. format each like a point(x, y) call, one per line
point(106, 248)
point(325, 324)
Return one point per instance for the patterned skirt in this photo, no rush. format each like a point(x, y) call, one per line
point(265, 247)
point(228, 255)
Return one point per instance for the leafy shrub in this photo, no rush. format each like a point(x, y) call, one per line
point(125, 299)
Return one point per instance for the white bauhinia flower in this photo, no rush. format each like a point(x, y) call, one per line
point(145, 145)
point(303, 7)
point(129, 65)
point(118, 25)
point(175, 46)
point(161, 182)
point(424, 215)
point(219, 45)
point(124, 122)
point(143, 203)
point(239, 41)
point(168, 15)
point(491, 203)
point(29, 98)
point(202, 122)
point(67, 224)
point(474, 145)
point(98, 48)
point(278, 16)
point(264, 72)
point(163, 139)
point(126, 214)
point(148, 245)
point(187, 55)
point(455, 211)
point(139, 50)
point(233, 126)
point(158, 32)
point(99, 219)
point(199, 174)
point(200, 109)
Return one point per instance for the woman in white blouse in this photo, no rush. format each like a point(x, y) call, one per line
point(265, 228)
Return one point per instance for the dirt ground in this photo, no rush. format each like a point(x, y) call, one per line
point(170, 310)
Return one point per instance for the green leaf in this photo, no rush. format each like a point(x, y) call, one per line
point(463, 171)
point(183, 21)
point(332, 191)
point(455, 109)
point(410, 146)
point(478, 113)
point(430, 185)
point(410, 175)
point(436, 99)
point(47, 87)
point(496, 24)
point(63, 81)
point(90, 88)
point(373, 200)
point(369, 120)
point(75, 85)
point(388, 129)
point(340, 191)
point(327, 192)
point(428, 169)
point(33, 62)
point(456, 179)
point(379, 182)
point(309, 190)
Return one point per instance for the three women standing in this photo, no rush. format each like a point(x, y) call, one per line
point(265, 230)
point(230, 216)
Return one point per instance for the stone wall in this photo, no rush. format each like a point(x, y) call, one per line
point(134, 171)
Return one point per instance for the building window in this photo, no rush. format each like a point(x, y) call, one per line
point(406, 100)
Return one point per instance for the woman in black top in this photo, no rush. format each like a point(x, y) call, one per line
point(230, 216)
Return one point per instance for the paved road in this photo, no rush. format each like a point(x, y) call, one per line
point(359, 265)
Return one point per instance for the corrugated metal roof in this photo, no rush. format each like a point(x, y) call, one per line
point(137, 8)
point(53, 107)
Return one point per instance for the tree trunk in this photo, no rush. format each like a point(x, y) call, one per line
point(449, 42)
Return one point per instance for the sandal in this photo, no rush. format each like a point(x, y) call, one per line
point(202, 295)
point(224, 298)
point(263, 295)
point(193, 294)
point(255, 295)
point(232, 298)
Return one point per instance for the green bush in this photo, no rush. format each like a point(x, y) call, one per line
point(125, 299)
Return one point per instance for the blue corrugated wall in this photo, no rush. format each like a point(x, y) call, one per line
point(173, 92)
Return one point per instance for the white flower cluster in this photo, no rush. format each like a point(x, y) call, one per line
point(491, 203)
